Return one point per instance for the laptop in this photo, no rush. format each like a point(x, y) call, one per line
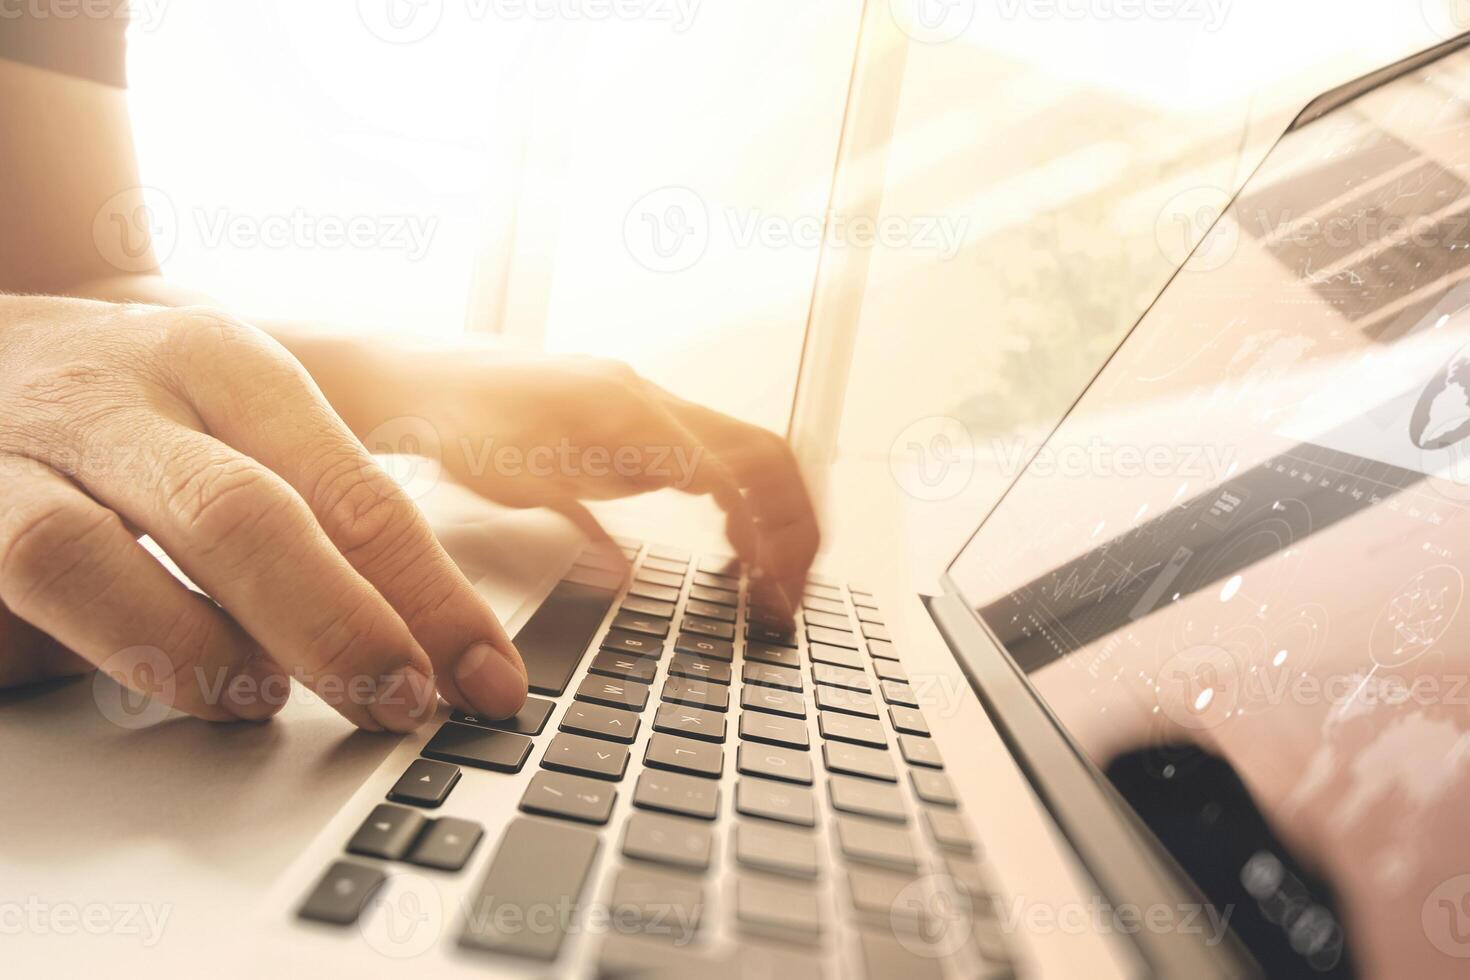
point(1189, 702)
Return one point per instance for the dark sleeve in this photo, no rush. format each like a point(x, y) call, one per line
point(85, 39)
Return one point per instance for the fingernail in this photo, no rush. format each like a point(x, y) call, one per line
point(258, 690)
point(405, 698)
point(494, 684)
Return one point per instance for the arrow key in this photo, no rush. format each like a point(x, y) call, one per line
point(594, 757)
point(447, 844)
point(426, 783)
point(388, 832)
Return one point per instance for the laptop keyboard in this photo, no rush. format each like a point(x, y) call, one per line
point(731, 701)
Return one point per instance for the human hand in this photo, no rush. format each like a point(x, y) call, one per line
point(205, 434)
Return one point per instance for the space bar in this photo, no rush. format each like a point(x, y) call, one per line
point(529, 896)
point(556, 636)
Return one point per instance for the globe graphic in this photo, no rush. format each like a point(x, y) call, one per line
point(1442, 417)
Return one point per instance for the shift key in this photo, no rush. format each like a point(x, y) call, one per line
point(538, 866)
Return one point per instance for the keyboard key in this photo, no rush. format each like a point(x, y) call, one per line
point(704, 646)
point(713, 671)
point(686, 755)
point(697, 723)
point(537, 865)
point(889, 898)
point(933, 787)
point(774, 762)
point(340, 895)
point(425, 783)
point(788, 911)
point(594, 757)
point(909, 720)
point(774, 729)
point(607, 561)
point(766, 847)
point(678, 568)
point(776, 801)
point(528, 721)
point(769, 675)
point(874, 631)
point(668, 840)
point(447, 844)
point(710, 610)
point(668, 906)
point(598, 721)
point(774, 635)
point(720, 565)
point(560, 794)
point(851, 728)
point(822, 653)
point(625, 666)
point(862, 598)
point(836, 638)
point(770, 699)
point(853, 680)
point(778, 656)
point(674, 792)
point(720, 597)
point(669, 553)
point(388, 832)
point(867, 798)
point(829, 620)
point(631, 622)
point(595, 578)
point(868, 614)
point(654, 577)
point(890, 670)
point(628, 695)
point(707, 627)
point(648, 590)
point(846, 702)
point(919, 751)
point(883, 955)
point(881, 844)
point(558, 633)
point(483, 748)
point(697, 694)
point(634, 643)
point(712, 581)
point(949, 831)
point(884, 651)
point(818, 591)
point(899, 693)
point(858, 761)
point(639, 606)
point(824, 606)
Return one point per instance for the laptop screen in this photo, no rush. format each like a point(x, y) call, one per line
point(1236, 571)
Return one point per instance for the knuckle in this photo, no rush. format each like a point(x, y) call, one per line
point(46, 542)
point(366, 514)
point(345, 641)
point(216, 500)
